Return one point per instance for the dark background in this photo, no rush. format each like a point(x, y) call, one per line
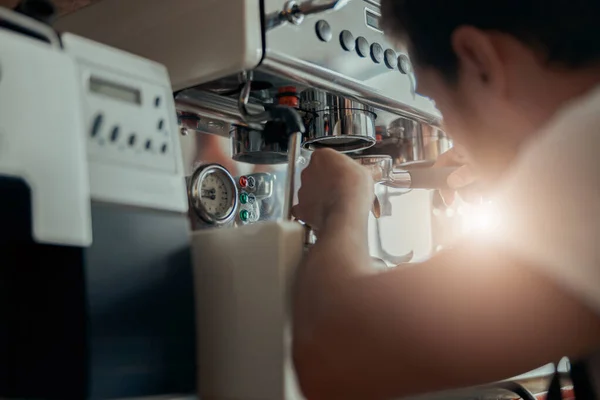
point(64, 6)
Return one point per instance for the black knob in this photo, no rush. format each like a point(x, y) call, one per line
point(97, 124)
point(41, 10)
point(114, 135)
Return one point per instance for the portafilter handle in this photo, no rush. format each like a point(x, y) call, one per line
point(423, 178)
point(382, 171)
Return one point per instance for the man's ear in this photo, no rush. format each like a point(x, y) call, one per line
point(478, 58)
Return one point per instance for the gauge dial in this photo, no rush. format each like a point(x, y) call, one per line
point(213, 194)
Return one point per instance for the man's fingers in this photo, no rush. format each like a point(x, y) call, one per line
point(448, 196)
point(470, 195)
point(297, 212)
point(451, 158)
point(300, 214)
point(462, 177)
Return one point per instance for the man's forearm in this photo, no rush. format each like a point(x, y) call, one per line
point(340, 251)
point(433, 326)
point(322, 286)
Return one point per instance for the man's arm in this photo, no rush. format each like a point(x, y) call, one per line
point(469, 316)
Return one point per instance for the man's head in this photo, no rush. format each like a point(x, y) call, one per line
point(498, 69)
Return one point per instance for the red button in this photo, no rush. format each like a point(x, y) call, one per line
point(243, 181)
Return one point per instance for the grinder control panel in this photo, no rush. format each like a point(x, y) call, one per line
point(128, 121)
point(130, 130)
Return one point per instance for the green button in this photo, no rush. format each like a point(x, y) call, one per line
point(244, 215)
point(244, 198)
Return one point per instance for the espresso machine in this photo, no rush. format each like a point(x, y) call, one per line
point(271, 80)
point(96, 293)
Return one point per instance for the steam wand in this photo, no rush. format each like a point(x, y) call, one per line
point(288, 116)
point(247, 77)
point(294, 13)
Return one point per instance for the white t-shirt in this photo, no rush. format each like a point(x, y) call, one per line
point(550, 202)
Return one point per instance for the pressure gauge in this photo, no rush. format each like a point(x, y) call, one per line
point(213, 194)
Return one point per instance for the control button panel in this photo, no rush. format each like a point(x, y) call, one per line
point(249, 206)
point(257, 199)
point(367, 65)
point(363, 48)
point(130, 122)
point(324, 30)
point(347, 40)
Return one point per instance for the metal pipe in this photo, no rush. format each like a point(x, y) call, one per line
point(294, 13)
point(243, 102)
point(211, 106)
point(290, 186)
point(208, 104)
point(311, 7)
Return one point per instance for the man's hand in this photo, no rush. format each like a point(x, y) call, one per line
point(461, 181)
point(333, 184)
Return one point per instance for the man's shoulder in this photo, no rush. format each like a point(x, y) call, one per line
point(578, 118)
point(572, 136)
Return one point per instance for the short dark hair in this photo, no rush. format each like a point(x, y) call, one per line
point(565, 32)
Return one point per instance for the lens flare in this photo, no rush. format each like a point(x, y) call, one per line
point(481, 218)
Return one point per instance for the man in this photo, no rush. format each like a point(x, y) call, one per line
point(518, 83)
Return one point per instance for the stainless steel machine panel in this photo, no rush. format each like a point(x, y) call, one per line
point(198, 41)
point(348, 50)
point(204, 42)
